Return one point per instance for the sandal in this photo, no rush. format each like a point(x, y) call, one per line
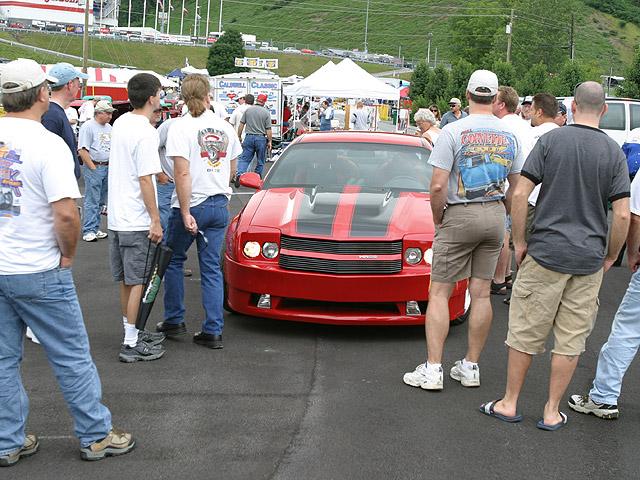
point(499, 288)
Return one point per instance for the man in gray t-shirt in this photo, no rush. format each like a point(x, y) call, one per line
point(580, 170)
point(256, 123)
point(472, 160)
point(94, 145)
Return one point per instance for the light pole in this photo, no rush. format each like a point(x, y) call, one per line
point(366, 29)
point(220, 19)
point(429, 49)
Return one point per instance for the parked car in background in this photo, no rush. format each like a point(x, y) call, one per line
point(340, 231)
point(307, 51)
point(16, 25)
point(291, 50)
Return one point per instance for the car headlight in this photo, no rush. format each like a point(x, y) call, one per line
point(270, 250)
point(412, 256)
point(251, 249)
point(428, 256)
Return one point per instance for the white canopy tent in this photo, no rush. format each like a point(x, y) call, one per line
point(345, 80)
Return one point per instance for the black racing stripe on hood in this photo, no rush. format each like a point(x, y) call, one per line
point(372, 214)
point(317, 212)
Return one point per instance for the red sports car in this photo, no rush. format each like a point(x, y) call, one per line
point(340, 232)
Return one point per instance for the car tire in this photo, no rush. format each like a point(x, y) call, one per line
point(225, 301)
point(461, 319)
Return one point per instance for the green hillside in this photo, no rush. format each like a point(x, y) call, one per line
point(147, 56)
point(400, 27)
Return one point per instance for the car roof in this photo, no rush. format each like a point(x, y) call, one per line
point(338, 136)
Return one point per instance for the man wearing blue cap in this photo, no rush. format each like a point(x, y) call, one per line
point(63, 93)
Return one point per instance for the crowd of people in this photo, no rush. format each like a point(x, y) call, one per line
point(505, 174)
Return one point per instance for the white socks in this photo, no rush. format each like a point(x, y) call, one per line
point(433, 367)
point(130, 335)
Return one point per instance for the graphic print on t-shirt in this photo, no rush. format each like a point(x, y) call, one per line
point(104, 142)
point(213, 146)
point(10, 183)
point(484, 162)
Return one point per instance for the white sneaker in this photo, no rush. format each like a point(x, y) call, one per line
point(100, 235)
point(468, 377)
point(31, 336)
point(90, 237)
point(424, 378)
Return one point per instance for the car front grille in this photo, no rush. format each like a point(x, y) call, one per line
point(344, 267)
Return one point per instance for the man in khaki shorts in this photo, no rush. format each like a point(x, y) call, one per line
point(472, 159)
point(579, 169)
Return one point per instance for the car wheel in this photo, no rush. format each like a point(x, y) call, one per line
point(461, 319)
point(225, 301)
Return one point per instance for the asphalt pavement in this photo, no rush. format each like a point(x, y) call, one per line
point(296, 401)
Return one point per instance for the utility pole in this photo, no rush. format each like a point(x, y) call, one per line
point(366, 29)
point(208, 9)
point(129, 16)
point(220, 19)
point(429, 49)
point(85, 45)
point(509, 33)
point(435, 59)
point(572, 43)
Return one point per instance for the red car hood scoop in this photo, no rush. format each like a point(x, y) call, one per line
point(348, 214)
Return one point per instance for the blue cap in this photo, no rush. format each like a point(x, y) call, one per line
point(65, 72)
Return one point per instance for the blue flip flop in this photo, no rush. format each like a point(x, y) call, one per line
point(552, 428)
point(488, 409)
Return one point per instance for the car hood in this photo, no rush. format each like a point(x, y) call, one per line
point(341, 215)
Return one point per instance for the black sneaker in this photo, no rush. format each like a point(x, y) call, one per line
point(140, 352)
point(208, 340)
point(151, 338)
point(30, 447)
point(584, 404)
point(236, 180)
point(171, 329)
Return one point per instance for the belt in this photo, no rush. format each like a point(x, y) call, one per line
point(466, 204)
point(101, 163)
point(257, 134)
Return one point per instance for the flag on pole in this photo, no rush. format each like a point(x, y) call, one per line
point(161, 4)
point(185, 10)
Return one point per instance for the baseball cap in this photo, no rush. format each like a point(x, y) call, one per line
point(65, 72)
point(23, 74)
point(455, 100)
point(528, 100)
point(104, 106)
point(262, 98)
point(562, 108)
point(483, 83)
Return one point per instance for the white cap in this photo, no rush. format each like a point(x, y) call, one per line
point(104, 106)
point(483, 83)
point(23, 74)
point(455, 100)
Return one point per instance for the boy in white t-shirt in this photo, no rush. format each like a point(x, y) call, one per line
point(134, 220)
point(203, 149)
point(39, 231)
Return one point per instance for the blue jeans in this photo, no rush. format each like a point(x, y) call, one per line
point(165, 191)
point(617, 354)
point(212, 217)
point(95, 182)
point(47, 302)
point(253, 144)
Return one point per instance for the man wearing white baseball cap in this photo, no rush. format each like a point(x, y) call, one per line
point(64, 91)
point(39, 230)
point(472, 159)
point(455, 112)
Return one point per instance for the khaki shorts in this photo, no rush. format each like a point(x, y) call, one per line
point(468, 242)
point(543, 300)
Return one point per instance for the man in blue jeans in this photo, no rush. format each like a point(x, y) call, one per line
point(256, 124)
point(39, 230)
point(94, 145)
point(617, 354)
point(204, 149)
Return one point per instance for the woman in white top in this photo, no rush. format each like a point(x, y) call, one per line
point(426, 122)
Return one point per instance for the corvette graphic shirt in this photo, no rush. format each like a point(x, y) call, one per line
point(209, 144)
point(479, 151)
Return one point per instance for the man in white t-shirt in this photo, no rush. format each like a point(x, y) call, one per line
point(39, 230)
point(237, 114)
point(360, 119)
point(86, 110)
point(204, 149)
point(134, 220)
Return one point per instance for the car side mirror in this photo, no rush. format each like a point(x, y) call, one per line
point(251, 180)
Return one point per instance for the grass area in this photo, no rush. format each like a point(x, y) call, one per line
point(148, 56)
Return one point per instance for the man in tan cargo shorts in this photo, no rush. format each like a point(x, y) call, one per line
point(472, 159)
point(579, 169)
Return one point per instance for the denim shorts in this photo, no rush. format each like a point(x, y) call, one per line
point(131, 254)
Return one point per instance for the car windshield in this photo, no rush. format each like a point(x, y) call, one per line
point(334, 165)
